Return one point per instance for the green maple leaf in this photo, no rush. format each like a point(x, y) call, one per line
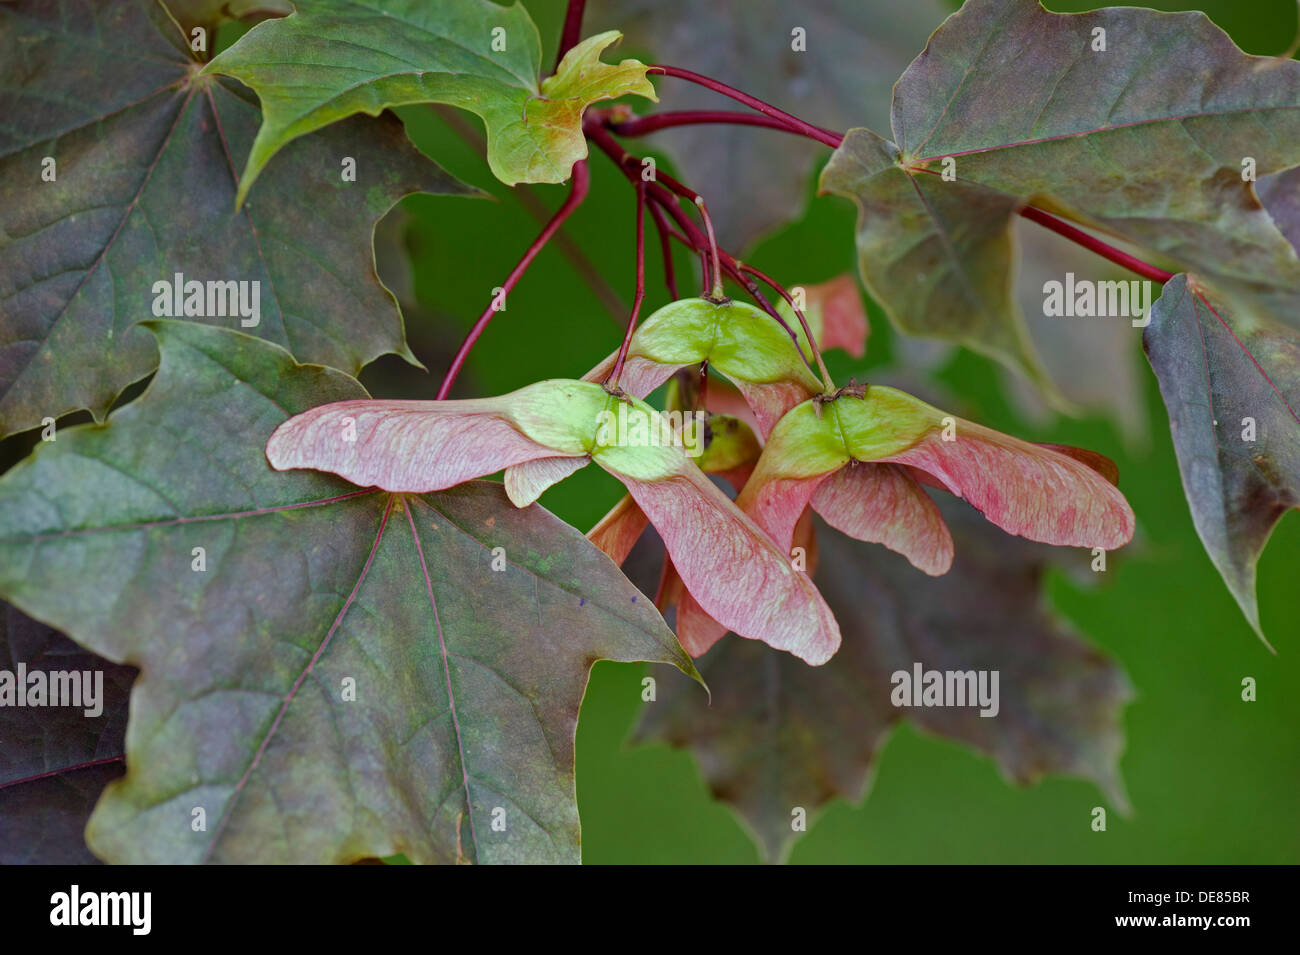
point(1144, 140)
point(339, 673)
point(144, 150)
point(334, 58)
point(778, 735)
point(1230, 379)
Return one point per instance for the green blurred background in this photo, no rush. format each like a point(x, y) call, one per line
point(1212, 778)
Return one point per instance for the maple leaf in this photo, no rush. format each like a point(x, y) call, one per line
point(1071, 350)
point(334, 58)
point(777, 735)
point(56, 759)
point(357, 679)
point(1072, 113)
point(144, 190)
point(1231, 383)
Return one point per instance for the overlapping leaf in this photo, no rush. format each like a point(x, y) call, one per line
point(334, 58)
point(1145, 139)
point(1231, 382)
point(837, 73)
point(144, 154)
point(780, 735)
point(55, 760)
point(338, 673)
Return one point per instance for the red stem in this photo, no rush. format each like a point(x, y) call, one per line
point(66, 769)
point(640, 283)
point(694, 239)
point(714, 278)
point(793, 122)
point(691, 234)
point(716, 289)
point(663, 200)
point(597, 133)
point(535, 207)
point(1091, 242)
point(572, 30)
point(577, 192)
point(642, 125)
point(665, 246)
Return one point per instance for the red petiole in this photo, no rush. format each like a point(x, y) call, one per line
point(753, 102)
point(577, 192)
point(653, 122)
point(665, 246)
point(626, 160)
point(1094, 244)
point(691, 235)
point(640, 284)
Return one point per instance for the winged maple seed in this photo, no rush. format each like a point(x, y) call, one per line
point(859, 458)
point(739, 577)
point(736, 339)
point(731, 451)
point(861, 464)
point(733, 338)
